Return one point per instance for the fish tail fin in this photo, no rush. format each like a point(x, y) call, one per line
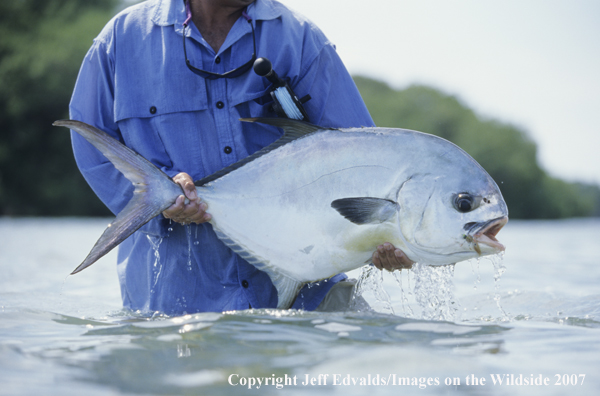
point(154, 190)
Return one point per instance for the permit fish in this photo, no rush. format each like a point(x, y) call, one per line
point(318, 201)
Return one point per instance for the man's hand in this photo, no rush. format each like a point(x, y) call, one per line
point(388, 257)
point(192, 212)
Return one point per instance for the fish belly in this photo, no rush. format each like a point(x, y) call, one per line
point(277, 209)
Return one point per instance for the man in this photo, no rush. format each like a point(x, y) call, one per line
point(137, 85)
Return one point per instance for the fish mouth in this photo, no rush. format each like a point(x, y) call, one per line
point(485, 234)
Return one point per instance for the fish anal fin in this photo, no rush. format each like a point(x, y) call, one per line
point(366, 210)
point(287, 290)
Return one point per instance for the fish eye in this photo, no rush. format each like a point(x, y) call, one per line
point(464, 202)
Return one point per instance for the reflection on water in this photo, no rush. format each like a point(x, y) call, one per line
point(168, 355)
point(542, 317)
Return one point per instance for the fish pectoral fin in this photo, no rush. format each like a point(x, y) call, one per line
point(366, 210)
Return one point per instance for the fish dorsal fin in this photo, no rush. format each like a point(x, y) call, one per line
point(292, 130)
point(365, 210)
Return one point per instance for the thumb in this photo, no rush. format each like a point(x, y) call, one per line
point(190, 190)
point(187, 185)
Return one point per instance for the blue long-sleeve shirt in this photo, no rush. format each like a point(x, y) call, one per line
point(134, 85)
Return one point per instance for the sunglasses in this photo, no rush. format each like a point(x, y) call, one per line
point(238, 71)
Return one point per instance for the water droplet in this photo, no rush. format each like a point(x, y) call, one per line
point(499, 269)
point(434, 291)
point(156, 267)
point(476, 272)
point(406, 310)
point(188, 233)
point(371, 281)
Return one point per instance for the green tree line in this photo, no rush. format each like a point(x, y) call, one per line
point(505, 151)
point(42, 44)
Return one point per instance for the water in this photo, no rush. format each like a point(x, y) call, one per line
point(539, 323)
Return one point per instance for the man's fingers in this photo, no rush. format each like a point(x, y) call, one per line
point(187, 184)
point(187, 208)
point(403, 259)
point(190, 190)
point(196, 212)
point(389, 258)
point(173, 212)
point(376, 260)
point(186, 213)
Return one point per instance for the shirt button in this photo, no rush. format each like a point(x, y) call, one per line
point(227, 150)
point(218, 60)
point(153, 110)
point(245, 284)
point(220, 105)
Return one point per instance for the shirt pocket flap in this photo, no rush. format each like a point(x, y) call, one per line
point(159, 94)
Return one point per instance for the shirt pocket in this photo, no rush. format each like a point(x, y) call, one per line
point(160, 95)
point(155, 111)
point(251, 96)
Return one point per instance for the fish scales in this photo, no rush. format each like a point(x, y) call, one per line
point(319, 201)
point(278, 205)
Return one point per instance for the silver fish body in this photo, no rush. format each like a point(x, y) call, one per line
point(319, 202)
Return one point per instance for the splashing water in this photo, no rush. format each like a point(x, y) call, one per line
point(188, 233)
point(434, 291)
point(157, 266)
point(499, 269)
point(406, 310)
point(371, 281)
point(476, 273)
point(196, 241)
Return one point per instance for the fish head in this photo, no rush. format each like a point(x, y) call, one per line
point(451, 216)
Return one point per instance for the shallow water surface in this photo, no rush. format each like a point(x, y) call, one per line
point(536, 328)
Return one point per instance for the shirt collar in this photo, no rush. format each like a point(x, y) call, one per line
point(172, 12)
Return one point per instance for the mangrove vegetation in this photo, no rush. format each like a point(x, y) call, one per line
point(42, 44)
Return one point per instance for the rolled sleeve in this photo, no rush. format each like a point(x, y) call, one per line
point(92, 103)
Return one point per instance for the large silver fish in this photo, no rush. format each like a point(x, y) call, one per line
point(318, 201)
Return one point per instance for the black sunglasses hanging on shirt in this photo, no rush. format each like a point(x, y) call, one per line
point(238, 71)
point(286, 103)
